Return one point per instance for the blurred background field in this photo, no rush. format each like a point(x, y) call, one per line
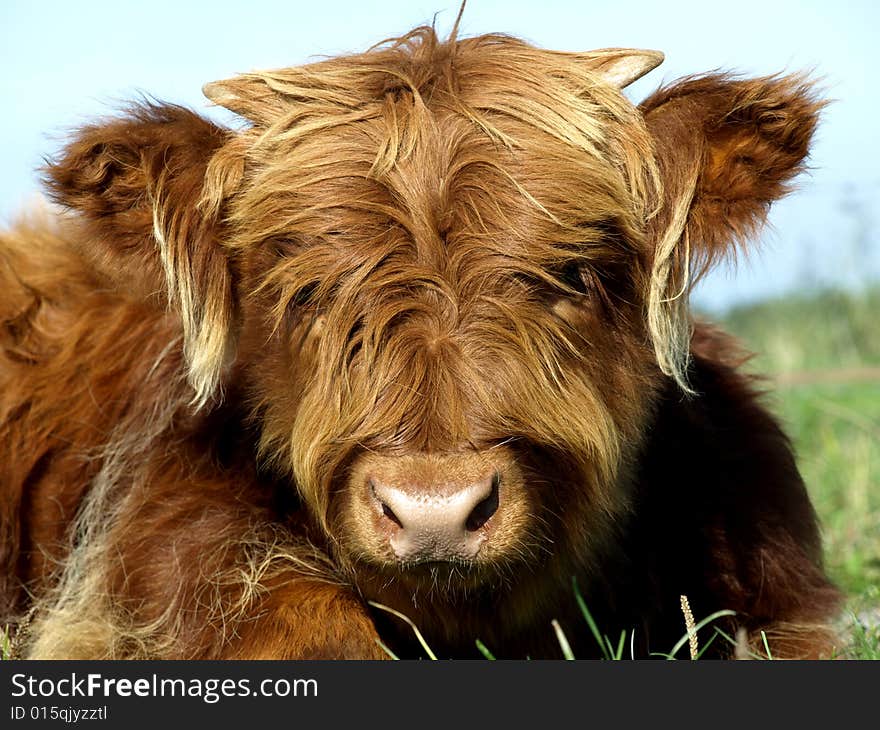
point(821, 351)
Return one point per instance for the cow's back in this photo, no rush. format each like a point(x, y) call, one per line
point(82, 368)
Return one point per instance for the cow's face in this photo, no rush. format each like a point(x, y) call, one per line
point(453, 277)
point(443, 287)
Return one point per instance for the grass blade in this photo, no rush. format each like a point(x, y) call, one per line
point(687, 637)
point(589, 618)
point(766, 645)
point(384, 647)
point(408, 620)
point(563, 642)
point(707, 644)
point(749, 654)
point(485, 651)
point(618, 655)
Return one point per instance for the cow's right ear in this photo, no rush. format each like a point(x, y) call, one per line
point(146, 187)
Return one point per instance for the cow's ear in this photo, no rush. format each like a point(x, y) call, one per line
point(145, 188)
point(726, 149)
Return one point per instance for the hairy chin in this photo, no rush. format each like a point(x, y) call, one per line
point(404, 583)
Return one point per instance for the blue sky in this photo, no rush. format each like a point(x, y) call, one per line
point(65, 62)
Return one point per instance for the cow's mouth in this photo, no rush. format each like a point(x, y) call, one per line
point(434, 580)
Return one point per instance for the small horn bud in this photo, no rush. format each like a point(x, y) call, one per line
point(621, 66)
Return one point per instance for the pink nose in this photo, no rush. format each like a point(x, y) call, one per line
point(436, 522)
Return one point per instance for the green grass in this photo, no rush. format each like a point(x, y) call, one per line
point(807, 332)
point(821, 348)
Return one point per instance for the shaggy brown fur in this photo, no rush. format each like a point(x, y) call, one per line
point(430, 266)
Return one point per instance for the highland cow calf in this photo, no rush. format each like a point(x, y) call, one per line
point(417, 335)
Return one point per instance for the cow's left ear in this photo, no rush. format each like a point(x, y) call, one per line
point(726, 149)
point(146, 187)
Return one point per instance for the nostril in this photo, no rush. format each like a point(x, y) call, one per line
point(480, 514)
point(386, 510)
point(389, 513)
